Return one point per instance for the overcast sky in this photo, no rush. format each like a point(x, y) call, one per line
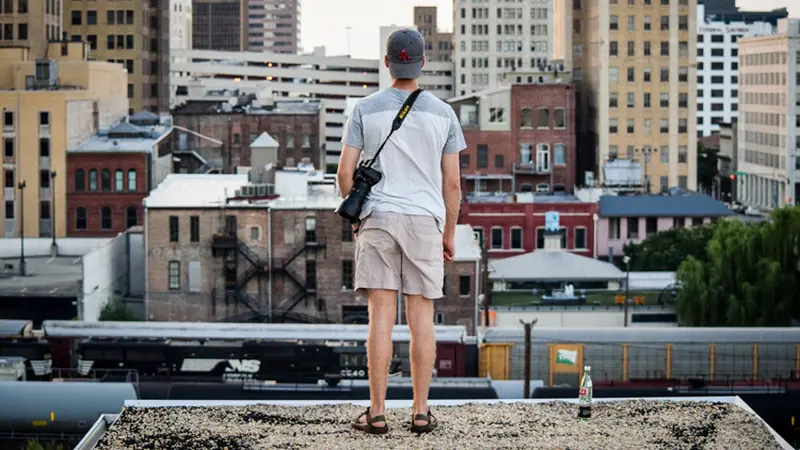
point(325, 22)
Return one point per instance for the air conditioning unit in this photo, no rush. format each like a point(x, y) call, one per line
point(248, 191)
point(264, 190)
point(237, 193)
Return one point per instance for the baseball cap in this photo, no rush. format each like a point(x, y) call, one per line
point(405, 50)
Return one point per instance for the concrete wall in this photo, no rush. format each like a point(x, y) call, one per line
point(574, 318)
point(10, 247)
point(107, 273)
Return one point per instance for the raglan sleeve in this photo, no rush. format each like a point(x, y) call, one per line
point(353, 134)
point(455, 136)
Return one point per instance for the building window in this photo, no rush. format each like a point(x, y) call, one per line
point(464, 285)
point(613, 228)
point(496, 115)
point(633, 228)
point(105, 180)
point(559, 154)
point(311, 229)
point(132, 180)
point(44, 118)
point(438, 318)
point(497, 238)
point(131, 217)
point(174, 275)
point(311, 274)
point(544, 118)
point(9, 209)
point(290, 140)
point(347, 274)
point(194, 229)
point(91, 17)
point(8, 119)
point(44, 179)
point(478, 232)
point(105, 218)
point(77, 17)
point(81, 218)
point(44, 148)
point(347, 231)
point(499, 161)
point(526, 120)
point(482, 160)
point(93, 180)
point(118, 180)
point(174, 231)
point(80, 180)
point(255, 233)
point(543, 157)
point(613, 126)
point(559, 118)
point(44, 210)
point(580, 238)
point(516, 238)
point(8, 147)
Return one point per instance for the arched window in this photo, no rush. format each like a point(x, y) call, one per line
point(132, 180)
point(80, 180)
point(119, 179)
point(559, 119)
point(527, 118)
point(105, 218)
point(105, 180)
point(93, 180)
point(544, 118)
point(80, 218)
point(543, 158)
point(131, 217)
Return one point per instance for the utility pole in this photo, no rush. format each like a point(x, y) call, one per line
point(627, 260)
point(53, 246)
point(21, 186)
point(527, 385)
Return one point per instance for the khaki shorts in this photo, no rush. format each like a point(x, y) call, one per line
point(399, 252)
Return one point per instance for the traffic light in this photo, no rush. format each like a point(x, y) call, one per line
point(733, 176)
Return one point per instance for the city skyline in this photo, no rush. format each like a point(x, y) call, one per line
point(325, 23)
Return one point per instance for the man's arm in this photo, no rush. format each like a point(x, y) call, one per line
point(348, 161)
point(451, 191)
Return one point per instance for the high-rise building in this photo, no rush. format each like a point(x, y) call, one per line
point(30, 24)
point(134, 34)
point(518, 40)
point(48, 106)
point(717, 61)
point(438, 45)
point(219, 25)
point(635, 61)
point(273, 26)
point(180, 23)
point(769, 118)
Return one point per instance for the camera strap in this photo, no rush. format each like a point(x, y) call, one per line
point(398, 121)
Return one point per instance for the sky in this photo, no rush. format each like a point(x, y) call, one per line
point(325, 22)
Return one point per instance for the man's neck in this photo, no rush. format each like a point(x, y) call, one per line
point(406, 85)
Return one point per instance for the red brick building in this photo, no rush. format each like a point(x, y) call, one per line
point(510, 229)
point(519, 139)
point(297, 125)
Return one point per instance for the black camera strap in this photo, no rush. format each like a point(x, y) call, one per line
point(398, 121)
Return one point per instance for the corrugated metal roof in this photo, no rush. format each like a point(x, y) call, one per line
point(554, 266)
point(15, 327)
point(235, 331)
point(690, 205)
point(641, 335)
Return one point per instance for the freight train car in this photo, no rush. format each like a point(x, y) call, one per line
point(649, 355)
point(17, 340)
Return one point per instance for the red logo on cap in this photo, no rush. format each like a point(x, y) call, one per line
point(403, 56)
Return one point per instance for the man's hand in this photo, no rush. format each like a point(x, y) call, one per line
point(355, 227)
point(449, 245)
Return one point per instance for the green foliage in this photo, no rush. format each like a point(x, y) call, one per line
point(33, 445)
point(116, 311)
point(749, 276)
point(666, 251)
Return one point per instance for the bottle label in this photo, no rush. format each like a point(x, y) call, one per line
point(583, 392)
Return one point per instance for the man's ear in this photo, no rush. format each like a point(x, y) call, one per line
point(424, 60)
point(386, 60)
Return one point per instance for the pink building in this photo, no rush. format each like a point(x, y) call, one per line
point(631, 219)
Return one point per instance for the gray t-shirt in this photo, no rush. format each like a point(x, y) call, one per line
point(411, 162)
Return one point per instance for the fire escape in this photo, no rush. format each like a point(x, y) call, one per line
point(228, 245)
point(306, 286)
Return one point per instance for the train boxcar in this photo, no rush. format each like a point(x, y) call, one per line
point(17, 341)
point(714, 355)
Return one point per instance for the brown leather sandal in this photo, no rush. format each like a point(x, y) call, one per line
point(367, 426)
point(428, 427)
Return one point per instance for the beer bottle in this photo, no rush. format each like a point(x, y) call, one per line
point(585, 394)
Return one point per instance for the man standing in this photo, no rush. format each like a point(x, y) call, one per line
point(408, 223)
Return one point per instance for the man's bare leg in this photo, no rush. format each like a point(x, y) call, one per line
point(419, 314)
point(382, 316)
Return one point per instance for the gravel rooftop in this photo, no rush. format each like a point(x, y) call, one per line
point(634, 424)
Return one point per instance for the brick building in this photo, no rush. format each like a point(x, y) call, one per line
point(110, 173)
point(512, 228)
point(279, 254)
point(519, 138)
point(297, 125)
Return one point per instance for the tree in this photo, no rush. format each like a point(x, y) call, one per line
point(749, 276)
point(115, 310)
point(666, 251)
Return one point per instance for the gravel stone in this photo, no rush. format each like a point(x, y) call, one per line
point(634, 424)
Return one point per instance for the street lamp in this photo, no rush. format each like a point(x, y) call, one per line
point(21, 186)
point(646, 151)
point(627, 260)
point(53, 246)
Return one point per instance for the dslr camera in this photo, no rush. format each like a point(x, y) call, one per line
point(363, 180)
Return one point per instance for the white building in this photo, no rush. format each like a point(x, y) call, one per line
point(215, 75)
point(180, 26)
point(517, 38)
point(717, 62)
point(769, 117)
